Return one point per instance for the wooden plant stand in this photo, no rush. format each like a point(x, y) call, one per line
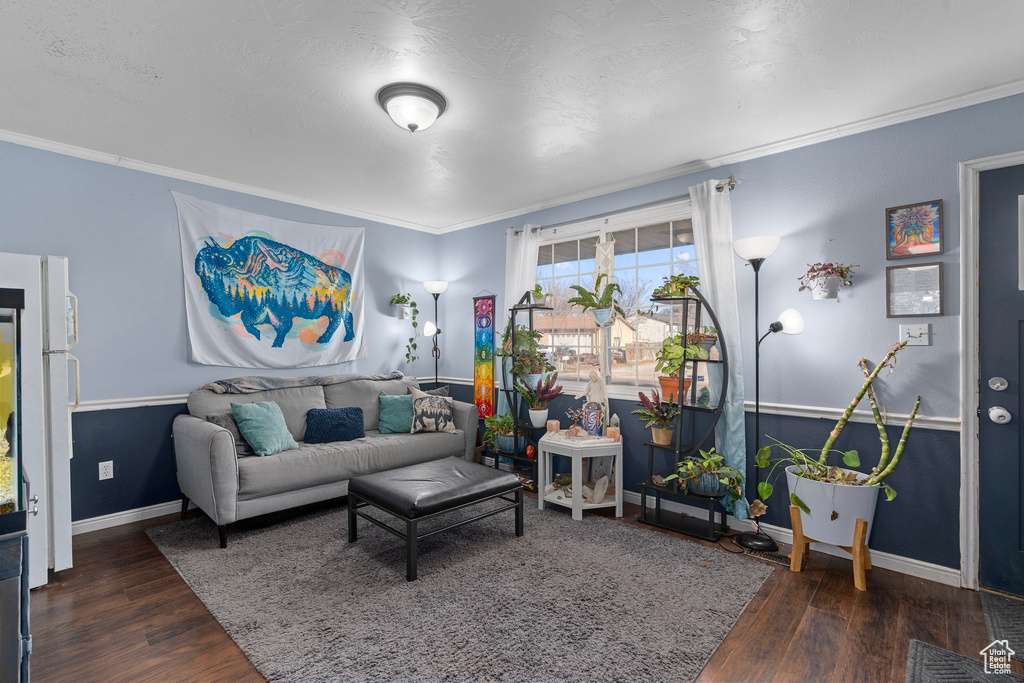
point(859, 549)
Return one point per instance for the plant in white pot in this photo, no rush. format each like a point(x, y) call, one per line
point(825, 279)
point(601, 300)
point(405, 309)
point(832, 498)
point(538, 397)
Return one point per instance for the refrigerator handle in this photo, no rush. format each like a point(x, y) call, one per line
point(78, 401)
point(74, 336)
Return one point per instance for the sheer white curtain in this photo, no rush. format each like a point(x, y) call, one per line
point(712, 238)
point(521, 245)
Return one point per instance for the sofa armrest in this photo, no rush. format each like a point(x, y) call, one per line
point(207, 467)
point(467, 419)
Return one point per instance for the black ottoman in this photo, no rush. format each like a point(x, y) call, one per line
point(424, 491)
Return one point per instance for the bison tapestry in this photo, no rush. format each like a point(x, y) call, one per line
point(262, 292)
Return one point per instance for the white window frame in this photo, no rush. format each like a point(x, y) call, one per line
point(639, 218)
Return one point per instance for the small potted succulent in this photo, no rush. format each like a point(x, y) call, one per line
point(540, 297)
point(708, 475)
point(825, 279)
point(538, 397)
point(600, 300)
point(676, 286)
point(658, 415)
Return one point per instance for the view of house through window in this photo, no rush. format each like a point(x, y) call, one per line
point(643, 257)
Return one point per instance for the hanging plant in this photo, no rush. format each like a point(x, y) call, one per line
point(406, 300)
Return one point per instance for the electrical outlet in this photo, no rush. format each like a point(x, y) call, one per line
point(106, 470)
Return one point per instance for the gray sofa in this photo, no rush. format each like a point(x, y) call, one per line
point(229, 488)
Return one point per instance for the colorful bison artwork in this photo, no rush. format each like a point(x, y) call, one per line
point(270, 283)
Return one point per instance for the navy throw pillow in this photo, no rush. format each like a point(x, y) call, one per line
point(334, 424)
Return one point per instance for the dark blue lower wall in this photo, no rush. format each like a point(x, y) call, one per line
point(138, 440)
point(921, 523)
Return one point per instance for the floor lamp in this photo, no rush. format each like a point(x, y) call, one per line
point(434, 287)
point(754, 250)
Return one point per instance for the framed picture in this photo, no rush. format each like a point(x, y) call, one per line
point(913, 230)
point(913, 290)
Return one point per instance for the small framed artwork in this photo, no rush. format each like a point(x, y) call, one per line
point(913, 230)
point(913, 290)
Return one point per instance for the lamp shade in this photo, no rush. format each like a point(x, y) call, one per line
point(750, 248)
point(435, 286)
point(429, 329)
point(791, 320)
point(411, 105)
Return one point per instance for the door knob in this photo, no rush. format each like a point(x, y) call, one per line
point(999, 415)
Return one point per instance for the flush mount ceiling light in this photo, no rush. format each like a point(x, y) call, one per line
point(411, 105)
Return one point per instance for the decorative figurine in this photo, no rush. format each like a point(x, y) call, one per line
point(596, 392)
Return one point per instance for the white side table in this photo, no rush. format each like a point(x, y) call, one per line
point(557, 443)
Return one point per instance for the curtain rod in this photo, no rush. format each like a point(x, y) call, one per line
point(731, 183)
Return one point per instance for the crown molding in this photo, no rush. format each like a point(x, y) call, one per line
point(189, 176)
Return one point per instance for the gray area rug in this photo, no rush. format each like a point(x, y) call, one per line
point(595, 600)
point(930, 664)
point(1005, 620)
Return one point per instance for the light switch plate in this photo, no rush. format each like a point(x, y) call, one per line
point(916, 335)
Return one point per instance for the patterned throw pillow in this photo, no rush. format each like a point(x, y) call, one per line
point(262, 424)
point(432, 413)
point(337, 424)
point(227, 421)
point(395, 414)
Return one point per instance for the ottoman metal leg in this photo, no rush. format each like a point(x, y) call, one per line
point(410, 550)
point(519, 512)
point(351, 518)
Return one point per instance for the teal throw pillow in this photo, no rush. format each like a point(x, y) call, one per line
point(395, 414)
point(262, 425)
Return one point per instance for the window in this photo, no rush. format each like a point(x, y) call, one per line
point(649, 245)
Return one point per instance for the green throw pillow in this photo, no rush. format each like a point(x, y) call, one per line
point(262, 425)
point(395, 414)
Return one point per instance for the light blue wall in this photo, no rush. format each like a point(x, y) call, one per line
point(119, 229)
point(827, 201)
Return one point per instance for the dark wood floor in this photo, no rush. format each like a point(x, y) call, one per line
point(123, 614)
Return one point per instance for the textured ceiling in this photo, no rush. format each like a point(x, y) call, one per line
point(549, 100)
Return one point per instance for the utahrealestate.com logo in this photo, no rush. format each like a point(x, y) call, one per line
point(997, 657)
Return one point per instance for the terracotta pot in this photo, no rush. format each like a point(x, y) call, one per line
point(670, 385)
point(662, 437)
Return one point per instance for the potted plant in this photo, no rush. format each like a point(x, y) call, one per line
point(600, 300)
point(527, 361)
point(705, 338)
point(405, 309)
point(540, 297)
point(499, 432)
point(537, 398)
point(825, 279)
point(708, 475)
point(675, 286)
point(832, 498)
point(659, 416)
point(670, 359)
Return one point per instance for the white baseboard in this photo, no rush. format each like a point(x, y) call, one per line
point(84, 526)
point(896, 563)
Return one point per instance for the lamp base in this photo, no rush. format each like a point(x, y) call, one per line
point(757, 541)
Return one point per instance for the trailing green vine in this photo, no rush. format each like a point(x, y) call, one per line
point(406, 300)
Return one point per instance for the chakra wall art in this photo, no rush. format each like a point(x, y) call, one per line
point(913, 230)
point(483, 355)
point(262, 292)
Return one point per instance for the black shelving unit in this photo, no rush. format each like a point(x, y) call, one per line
point(520, 462)
point(686, 441)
